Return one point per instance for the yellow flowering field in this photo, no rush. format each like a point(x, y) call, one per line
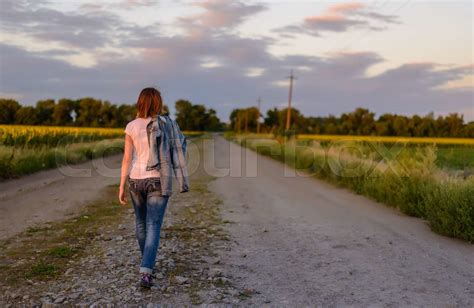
point(34, 136)
point(390, 139)
point(52, 136)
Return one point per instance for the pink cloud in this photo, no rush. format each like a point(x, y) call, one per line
point(220, 14)
point(345, 7)
point(339, 18)
point(140, 2)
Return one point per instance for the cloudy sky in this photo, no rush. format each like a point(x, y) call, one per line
point(402, 57)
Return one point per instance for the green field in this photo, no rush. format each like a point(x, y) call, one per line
point(452, 157)
point(435, 183)
point(456, 157)
point(27, 149)
point(15, 162)
point(451, 153)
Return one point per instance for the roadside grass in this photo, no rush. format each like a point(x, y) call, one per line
point(15, 162)
point(452, 153)
point(41, 253)
point(456, 157)
point(450, 209)
point(62, 251)
point(42, 269)
point(453, 159)
point(414, 184)
point(35, 229)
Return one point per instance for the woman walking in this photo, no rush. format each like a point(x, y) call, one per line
point(154, 146)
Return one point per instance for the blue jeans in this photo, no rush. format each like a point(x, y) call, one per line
point(150, 206)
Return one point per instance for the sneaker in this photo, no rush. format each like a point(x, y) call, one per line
point(146, 281)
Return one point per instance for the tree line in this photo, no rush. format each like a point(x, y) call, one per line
point(84, 112)
point(358, 122)
point(197, 117)
point(91, 112)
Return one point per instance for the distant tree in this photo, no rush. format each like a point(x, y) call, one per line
point(414, 125)
point(62, 113)
point(423, 127)
point(454, 124)
point(234, 119)
point(400, 126)
point(468, 130)
point(271, 120)
point(196, 117)
point(89, 112)
point(314, 125)
point(296, 119)
point(363, 122)
point(107, 115)
point(165, 111)
point(244, 119)
point(213, 122)
point(26, 116)
point(125, 114)
point(8, 108)
point(331, 126)
point(93, 112)
point(183, 110)
point(384, 125)
point(44, 111)
point(358, 122)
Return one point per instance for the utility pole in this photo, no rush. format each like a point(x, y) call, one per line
point(258, 117)
point(290, 95)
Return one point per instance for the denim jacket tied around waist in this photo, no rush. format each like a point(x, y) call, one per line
point(167, 153)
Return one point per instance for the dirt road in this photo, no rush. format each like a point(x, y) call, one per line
point(300, 241)
point(53, 194)
point(293, 240)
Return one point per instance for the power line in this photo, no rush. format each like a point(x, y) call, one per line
point(379, 8)
point(364, 34)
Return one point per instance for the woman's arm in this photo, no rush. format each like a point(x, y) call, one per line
point(126, 161)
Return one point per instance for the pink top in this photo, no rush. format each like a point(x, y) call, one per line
point(137, 130)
